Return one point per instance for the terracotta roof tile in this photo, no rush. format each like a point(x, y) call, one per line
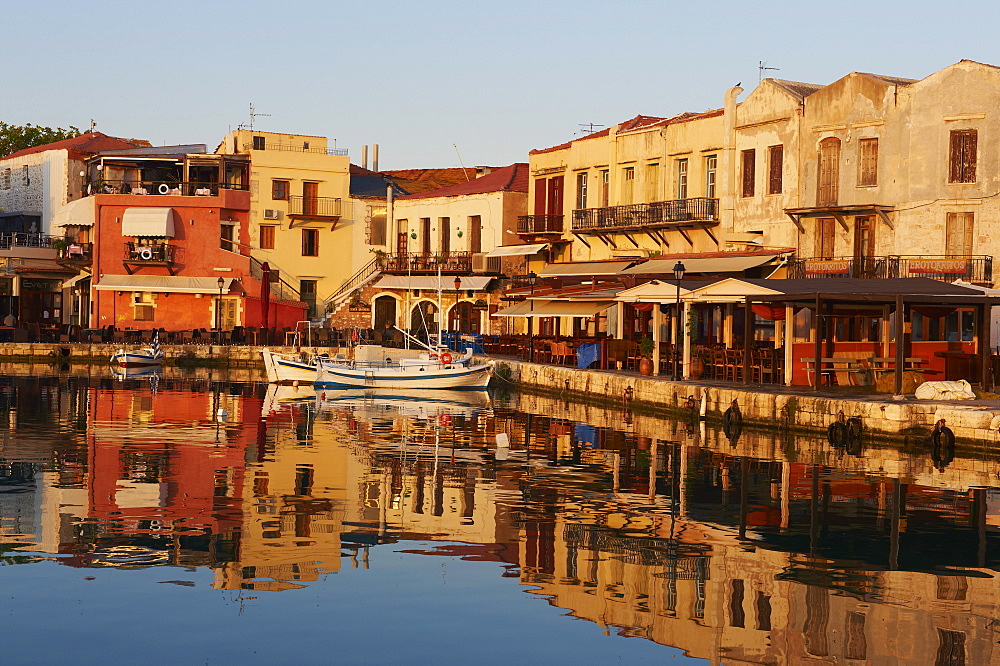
point(513, 178)
point(633, 125)
point(417, 181)
point(796, 89)
point(84, 145)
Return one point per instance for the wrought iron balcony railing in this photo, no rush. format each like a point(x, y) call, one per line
point(76, 252)
point(413, 262)
point(313, 206)
point(972, 268)
point(539, 224)
point(150, 253)
point(647, 215)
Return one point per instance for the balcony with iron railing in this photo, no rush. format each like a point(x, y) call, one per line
point(10, 241)
point(164, 187)
point(150, 254)
point(539, 224)
point(299, 206)
point(72, 252)
point(295, 148)
point(428, 263)
point(948, 268)
point(658, 214)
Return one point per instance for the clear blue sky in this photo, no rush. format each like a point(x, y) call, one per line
point(497, 79)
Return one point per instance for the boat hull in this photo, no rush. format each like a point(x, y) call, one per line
point(136, 360)
point(420, 377)
point(283, 370)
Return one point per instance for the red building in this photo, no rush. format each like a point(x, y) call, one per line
point(170, 247)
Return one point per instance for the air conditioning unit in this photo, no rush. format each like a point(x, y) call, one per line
point(272, 214)
point(480, 263)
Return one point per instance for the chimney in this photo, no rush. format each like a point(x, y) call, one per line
point(374, 157)
point(364, 156)
point(483, 170)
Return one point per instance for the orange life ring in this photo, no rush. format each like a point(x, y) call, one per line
point(446, 358)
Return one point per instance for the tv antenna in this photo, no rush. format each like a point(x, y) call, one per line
point(761, 68)
point(590, 128)
point(253, 114)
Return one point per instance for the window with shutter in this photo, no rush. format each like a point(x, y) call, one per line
point(958, 234)
point(829, 171)
point(775, 165)
point(867, 162)
point(711, 165)
point(748, 163)
point(962, 161)
point(825, 235)
point(267, 237)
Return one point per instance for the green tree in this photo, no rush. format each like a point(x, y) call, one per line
point(18, 137)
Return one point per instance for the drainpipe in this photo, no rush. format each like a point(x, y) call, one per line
point(730, 180)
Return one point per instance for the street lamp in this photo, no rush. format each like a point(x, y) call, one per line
point(678, 276)
point(532, 279)
point(218, 312)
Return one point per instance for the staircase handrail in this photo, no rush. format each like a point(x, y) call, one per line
point(352, 282)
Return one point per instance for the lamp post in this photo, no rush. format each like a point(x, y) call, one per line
point(218, 312)
point(532, 279)
point(456, 314)
point(678, 276)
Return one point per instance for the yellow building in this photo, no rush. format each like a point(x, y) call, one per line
point(646, 187)
point(301, 220)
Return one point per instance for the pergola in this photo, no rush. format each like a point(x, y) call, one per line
point(825, 296)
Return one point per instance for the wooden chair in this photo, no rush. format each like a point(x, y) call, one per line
point(560, 352)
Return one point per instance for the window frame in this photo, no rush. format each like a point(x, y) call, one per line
point(748, 172)
point(277, 183)
point(711, 175)
point(683, 166)
point(581, 190)
point(310, 233)
point(868, 162)
point(963, 148)
point(267, 236)
point(775, 169)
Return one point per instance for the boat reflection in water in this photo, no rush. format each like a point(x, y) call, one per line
point(763, 549)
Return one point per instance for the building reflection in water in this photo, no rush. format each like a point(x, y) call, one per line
point(763, 549)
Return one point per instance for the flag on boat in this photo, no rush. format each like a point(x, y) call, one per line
point(155, 347)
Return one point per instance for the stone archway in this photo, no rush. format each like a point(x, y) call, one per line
point(423, 320)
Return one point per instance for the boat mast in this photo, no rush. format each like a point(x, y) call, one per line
point(440, 316)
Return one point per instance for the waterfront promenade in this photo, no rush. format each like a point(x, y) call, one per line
point(793, 409)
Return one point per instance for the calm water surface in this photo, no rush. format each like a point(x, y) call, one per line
point(138, 522)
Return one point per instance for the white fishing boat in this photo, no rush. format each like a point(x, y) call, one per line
point(430, 370)
point(147, 356)
point(288, 369)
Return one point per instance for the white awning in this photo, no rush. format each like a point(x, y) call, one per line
point(555, 309)
point(584, 268)
point(702, 264)
point(149, 222)
point(72, 281)
point(430, 282)
point(164, 283)
point(79, 213)
point(516, 250)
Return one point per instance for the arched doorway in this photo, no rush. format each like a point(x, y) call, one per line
point(385, 312)
point(464, 319)
point(423, 320)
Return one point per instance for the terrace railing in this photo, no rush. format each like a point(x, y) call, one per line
point(150, 253)
point(972, 268)
point(314, 206)
point(412, 262)
point(539, 224)
point(645, 215)
point(163, 187)
point(12, 240)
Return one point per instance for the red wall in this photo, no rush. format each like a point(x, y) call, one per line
point(197, 254)
point(922, 350)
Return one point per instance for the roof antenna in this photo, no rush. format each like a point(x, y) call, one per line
point(253, 114)
point(589, 128)
point(461, 162)
point(761, 68)
point(93, 124)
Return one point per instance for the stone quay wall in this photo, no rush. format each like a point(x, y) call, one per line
point(770, 408)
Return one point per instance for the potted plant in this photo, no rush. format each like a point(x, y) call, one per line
point(645, 356)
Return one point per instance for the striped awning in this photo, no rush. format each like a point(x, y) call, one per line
point(164, 283)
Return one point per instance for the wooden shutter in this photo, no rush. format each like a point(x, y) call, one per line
point(749, 160)
point(829, 171)
point(868, 162)
point(962, 162)
point(825, 236)
point(541, 188)
point(958, 234)
point(555, 196)
point(775, 165)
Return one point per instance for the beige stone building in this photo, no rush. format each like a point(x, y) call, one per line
point(872, 176)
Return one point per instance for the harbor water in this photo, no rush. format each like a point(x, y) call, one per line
point(210, 519)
